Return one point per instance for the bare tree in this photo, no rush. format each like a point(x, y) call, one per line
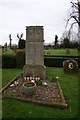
point(19, 36)
point(75, 15)
point(5, 46)
point(21, 43)
point(10, 40)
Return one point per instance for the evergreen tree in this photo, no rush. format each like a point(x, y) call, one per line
point(56, 40)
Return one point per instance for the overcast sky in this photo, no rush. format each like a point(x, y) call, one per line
point(15, 15)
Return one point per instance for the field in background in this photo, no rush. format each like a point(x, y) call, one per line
point(62, 52)
point(57, 52)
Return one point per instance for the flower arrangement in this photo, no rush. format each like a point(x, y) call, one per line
point(70, 66)
point(35, 80)
point(29, 84)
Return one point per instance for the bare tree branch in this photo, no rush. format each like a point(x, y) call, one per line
point(71, 28)
point(72, 24)
point(75, 5)
point(20, 36)
point(74, 17)
point(73, 13)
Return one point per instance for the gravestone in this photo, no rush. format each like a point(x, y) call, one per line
point(34, 52)
point(70, 66)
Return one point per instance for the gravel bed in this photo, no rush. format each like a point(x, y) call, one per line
point(46, 95)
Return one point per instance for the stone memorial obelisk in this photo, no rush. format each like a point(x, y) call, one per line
point(34, 66)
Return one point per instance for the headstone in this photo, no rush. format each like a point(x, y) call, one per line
point(34, 66)
point(70, 66)
point(67, 51)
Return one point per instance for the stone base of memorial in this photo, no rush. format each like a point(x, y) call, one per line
point(34, 70)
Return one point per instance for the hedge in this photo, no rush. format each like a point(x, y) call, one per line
point(53, 61)
point(57, 61)
point(8, 61)
point(20, 58)
point(61, 56)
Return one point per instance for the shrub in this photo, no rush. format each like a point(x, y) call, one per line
point(20, 58)
point(21, 44)
point(8, 61)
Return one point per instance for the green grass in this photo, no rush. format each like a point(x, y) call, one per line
point(0, 78)
point(62, 52)
point(8, 74)
point(29, 84)
point(9, 51)
point(69, 84)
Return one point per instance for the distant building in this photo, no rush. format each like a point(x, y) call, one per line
point(48, 46)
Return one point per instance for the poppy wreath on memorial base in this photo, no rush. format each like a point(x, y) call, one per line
point(70, 66)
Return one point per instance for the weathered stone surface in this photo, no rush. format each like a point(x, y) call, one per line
point(34, 52)
point(35, 71)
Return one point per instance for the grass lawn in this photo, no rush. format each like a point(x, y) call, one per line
point(8, 74)
point(62, 52)
point(16, 109)
point(0, 78)
point(9, 51)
